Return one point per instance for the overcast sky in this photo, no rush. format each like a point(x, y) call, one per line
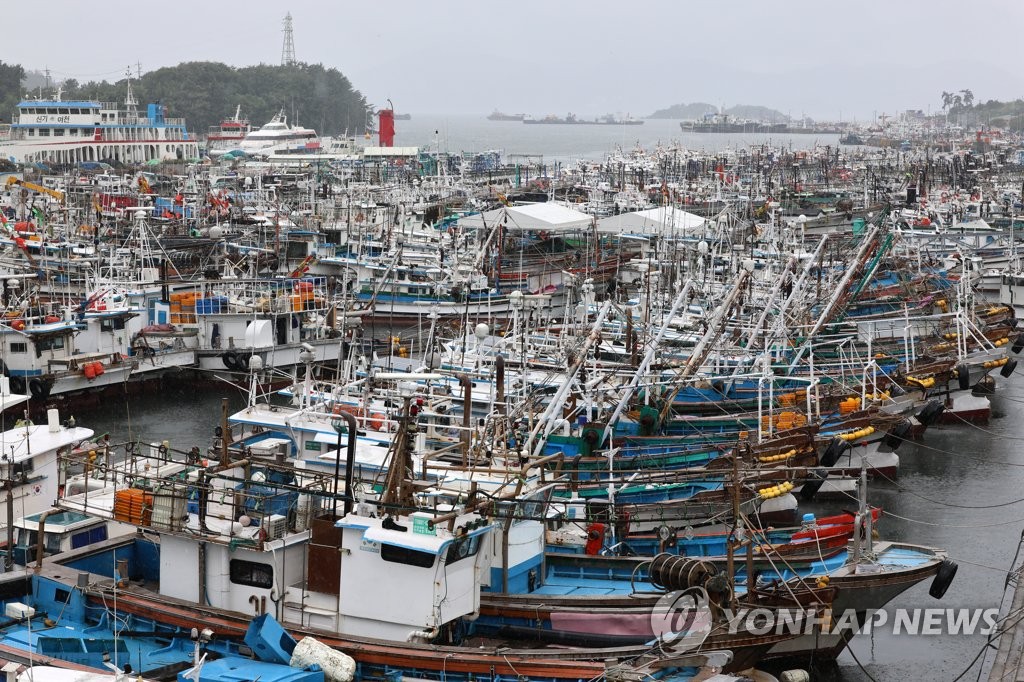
point(822, 58)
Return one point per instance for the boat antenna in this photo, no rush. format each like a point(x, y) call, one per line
point(129, 100)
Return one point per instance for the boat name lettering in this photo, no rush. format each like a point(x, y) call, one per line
point(53, 119)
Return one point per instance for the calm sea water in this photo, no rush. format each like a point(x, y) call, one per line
point(953, 469)
point(570, 142)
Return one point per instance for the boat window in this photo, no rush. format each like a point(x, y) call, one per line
point(52, 343)
point(58, 132)
point(404, 555)
point(63, 110)
point(26, 538)
point(252, 574)
point(112, 324)
point(19, 347)
point(31, 132)
point(52, 543)
point(44, 132)
point(87, 537)
point(463, 548)
point(22, 469)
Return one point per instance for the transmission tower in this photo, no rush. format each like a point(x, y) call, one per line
point(288, 47)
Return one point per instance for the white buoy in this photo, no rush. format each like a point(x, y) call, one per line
point(337, 666)
point(53, 419)
point(795, 675)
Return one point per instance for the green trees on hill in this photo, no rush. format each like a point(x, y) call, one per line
point(961, 107)
point(11, 76)
point(206, 92)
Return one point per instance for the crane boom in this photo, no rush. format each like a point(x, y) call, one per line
point(56, 194)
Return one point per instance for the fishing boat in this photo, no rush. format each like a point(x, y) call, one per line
point(33, 478)
point(228, 134)
point(398, 596)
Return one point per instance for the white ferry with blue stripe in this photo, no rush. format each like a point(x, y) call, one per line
point(67, 132)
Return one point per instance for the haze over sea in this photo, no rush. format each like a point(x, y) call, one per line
point(474, 133)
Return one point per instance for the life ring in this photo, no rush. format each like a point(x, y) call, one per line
point(39, 390)
point(230, 359)
point(377, 421)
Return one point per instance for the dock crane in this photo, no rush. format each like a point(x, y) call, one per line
point(56, 194)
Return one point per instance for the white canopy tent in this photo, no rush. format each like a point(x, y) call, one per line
point(546, 217)
point(665, 221)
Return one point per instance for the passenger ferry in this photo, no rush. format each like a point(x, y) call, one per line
point(278, 137)
point(69, 132)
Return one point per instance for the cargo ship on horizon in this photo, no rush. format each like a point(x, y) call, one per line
point(499, 116)
point(724, 124)
point(572, 119)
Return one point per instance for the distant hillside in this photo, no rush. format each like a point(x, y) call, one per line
point(1008, 115)
point(757, 113)
point(685, 111)
point(698, 109)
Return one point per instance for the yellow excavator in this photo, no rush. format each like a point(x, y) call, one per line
point(56, 194)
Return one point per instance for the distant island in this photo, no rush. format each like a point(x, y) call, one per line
point(698, 110)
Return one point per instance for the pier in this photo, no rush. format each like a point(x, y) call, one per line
point(1008, 665)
